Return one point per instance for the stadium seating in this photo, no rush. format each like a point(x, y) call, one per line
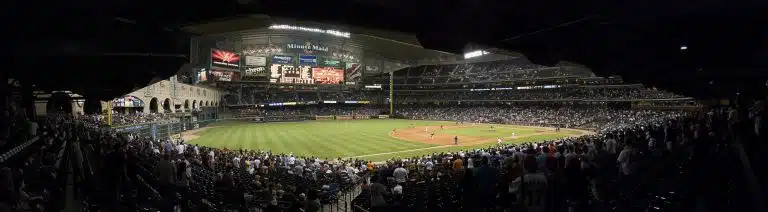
point(288, 182)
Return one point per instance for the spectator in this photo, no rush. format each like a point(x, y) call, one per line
point(378, 192)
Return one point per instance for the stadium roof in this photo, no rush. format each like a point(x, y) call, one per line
point(639, 40)
point(376, 43)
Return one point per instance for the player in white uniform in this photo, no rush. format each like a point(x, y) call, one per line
point(498, 141)
point(426, 129)
point(513, 134)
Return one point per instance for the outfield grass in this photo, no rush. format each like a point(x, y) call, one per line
point(368, 139)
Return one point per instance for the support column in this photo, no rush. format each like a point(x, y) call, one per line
point(4, 95)
point(28, 100)
point(391, 94)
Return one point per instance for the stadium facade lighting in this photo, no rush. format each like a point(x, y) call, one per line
point(472, 54)
point(310, 29)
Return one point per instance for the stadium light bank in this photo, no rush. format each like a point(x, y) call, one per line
point(315, 30)
point(472, 54)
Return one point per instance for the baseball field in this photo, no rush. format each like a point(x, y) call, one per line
point(376, 139)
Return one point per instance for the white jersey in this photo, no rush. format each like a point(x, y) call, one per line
point(498, 141)
point(532, 191)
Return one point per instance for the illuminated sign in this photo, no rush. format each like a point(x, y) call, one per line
point(290, 74)
point(328, 75)
point(308, 47)
point(282, 59)
point(310, 29)
point(225, 59)
point(331, 63)
point(472, 54)
point(308, 60)
point(354, 72)
point(256, 71)
point(255, 61)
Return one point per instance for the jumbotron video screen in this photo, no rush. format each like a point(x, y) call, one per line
point(281, 73)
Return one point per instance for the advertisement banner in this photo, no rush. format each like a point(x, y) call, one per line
point(328, 75)
point(202, 76)
point(255, 73)
point(224, 75)
point(308, 60)
point(371, 69)
point(279, 73)
point(331, 63)
point(225, 60)
point(353, 72)
point(282, 59)
point(255, 61)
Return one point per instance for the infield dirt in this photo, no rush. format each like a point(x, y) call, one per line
point(422, 134)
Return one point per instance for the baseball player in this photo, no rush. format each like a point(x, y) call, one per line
point(513, 134)
point(394, 131)
point(426, 129)
point(498, 141)
point(455, 140)
point(441, 128)
point(432, 135)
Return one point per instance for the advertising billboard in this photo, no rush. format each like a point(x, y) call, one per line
point(328, 75)
point(280, 73)
point(371, 69)
point(308, 60)
point(331, 63)
point(353, 72)
point(255, 73)
point(282, 59)
point(202, 76)
point(225, 60)
point(255, 61)
point(128, 101)
point(224, 75)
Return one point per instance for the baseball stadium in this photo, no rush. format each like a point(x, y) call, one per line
point(325, 91)
point(306, 97)
point(347, 97)
point(273, 114)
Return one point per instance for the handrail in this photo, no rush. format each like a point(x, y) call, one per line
point(357, 207)
point(754, 188)
point(15, 150)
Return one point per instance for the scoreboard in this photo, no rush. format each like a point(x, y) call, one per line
point(282, 73)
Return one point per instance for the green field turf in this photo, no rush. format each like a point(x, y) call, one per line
point(367, 139)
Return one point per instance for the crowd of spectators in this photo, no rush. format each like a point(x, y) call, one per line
point(578, 173)
point(577, 93)
point(33, 172)
point(309, 111)
point(572, 174)
point(588, 117)
point(123, 119)
point(233, 179)
point(485, 72)
point(563, 93)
